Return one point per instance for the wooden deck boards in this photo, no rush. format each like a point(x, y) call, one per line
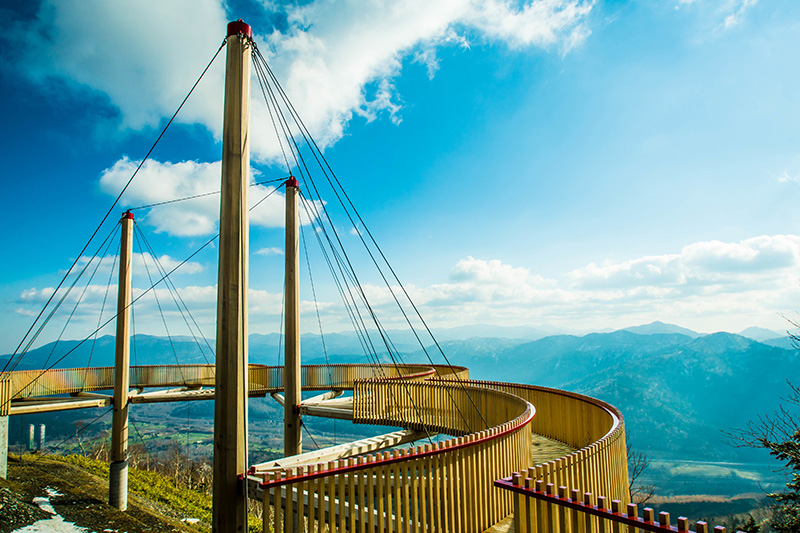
point(544, 449)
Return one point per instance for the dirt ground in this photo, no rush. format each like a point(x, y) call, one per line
point(83, 501)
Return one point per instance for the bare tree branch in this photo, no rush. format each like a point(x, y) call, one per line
point(638, 462)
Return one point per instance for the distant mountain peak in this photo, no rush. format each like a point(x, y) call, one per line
point(760, 334)
point(659, 327)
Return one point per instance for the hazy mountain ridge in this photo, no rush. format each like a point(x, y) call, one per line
point(678, 392)
point(659, 327)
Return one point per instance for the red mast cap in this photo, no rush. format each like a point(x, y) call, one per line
point(237, 26)
point(292, 182)
point(127, 214)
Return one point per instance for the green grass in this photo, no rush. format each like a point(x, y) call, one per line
point(158, 488)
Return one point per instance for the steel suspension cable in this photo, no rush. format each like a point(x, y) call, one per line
point(261, 82)
point(147, 291)
point(297, 153)
point(56, 307)
point(347, 266)
point(347, 295)
point(144, 444)
point(80, 298)
point(161, 311)
point(99, 319)
point(201, 195)
point(176, 297)
point(119, 196)
point(316, 307)
point(317, 153)
point(387, 343)
point(144, 293)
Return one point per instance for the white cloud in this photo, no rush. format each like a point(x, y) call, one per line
point(476, 282)
point(721, 15)
point(269, 251)
point(541, 23)
point(334, 52)
point(708, 286)
point(713, 285)
point(786, 178)
point(761, 260)
point(738, 14)
point(162, 182)
point(336, 59)
point(143, 55)
point(167, 264)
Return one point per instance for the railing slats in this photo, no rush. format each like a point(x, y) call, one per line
point(570, 514)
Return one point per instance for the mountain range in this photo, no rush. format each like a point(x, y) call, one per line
point(679, 390)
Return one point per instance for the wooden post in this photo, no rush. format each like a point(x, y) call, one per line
point(229, 505)
point(118, 470)
point(292, 437)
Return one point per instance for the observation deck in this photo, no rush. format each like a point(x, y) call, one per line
point(484, 431)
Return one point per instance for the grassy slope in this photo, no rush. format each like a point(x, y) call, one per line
point(159, 489)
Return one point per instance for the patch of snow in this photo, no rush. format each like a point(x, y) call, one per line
point(57, 524)
point(44, 504)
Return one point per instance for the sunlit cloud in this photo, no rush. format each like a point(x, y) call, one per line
point(336, 60)
point(787, 178)
point(719, 285)
point(269, 251)
point(737, 16)
point(196, 185)
point(710, 284)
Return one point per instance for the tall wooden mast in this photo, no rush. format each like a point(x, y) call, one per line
point(230, 400)
point(118, 470)
point(292, 437)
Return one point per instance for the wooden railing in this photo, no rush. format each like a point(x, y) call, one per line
point(446, 486)
point(541, 507)
point(263, 379)
point(442, 487)
point(419, 406)
point(594, 428)
point(269, 379)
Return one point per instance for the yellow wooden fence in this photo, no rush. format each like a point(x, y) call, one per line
point(445, 486)
point(263, 379)
point(594, 428)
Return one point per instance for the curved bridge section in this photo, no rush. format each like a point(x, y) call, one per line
point(263, 379)
point(474, 432)
point(595, 429)
point(437, 486)
point(446, 485)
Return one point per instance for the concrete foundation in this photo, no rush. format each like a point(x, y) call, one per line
point(118, 485)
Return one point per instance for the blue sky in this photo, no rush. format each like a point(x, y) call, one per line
point(581, 165)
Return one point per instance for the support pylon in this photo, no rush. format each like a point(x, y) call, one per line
point(229, 512)
point(118, 470)
point(292, 436)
